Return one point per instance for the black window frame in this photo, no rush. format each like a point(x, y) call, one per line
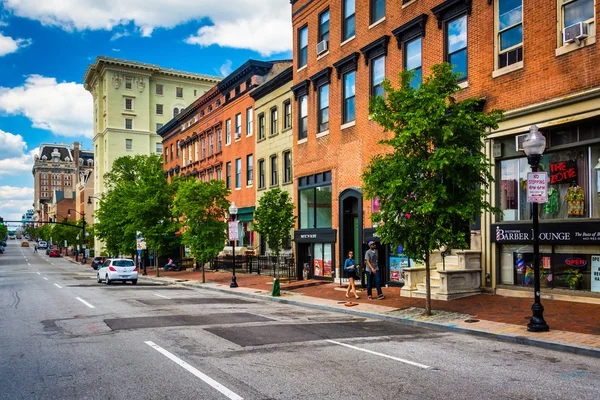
point(372, 85)
point(274, 119)
point(287, 114)
point(228, 175)
point(161, 108)
point(261, 173)
point(447, 54)
point(320, 111)
point(302, 51)
point(274, 171)
point(324, 34)
point(287, 166)
point(372, 10)
point(346, 20)
point(261, 126)
point(249, 169)
point(159, 89)
point(405, 59)
point(346, 99)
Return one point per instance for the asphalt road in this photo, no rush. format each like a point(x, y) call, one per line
point(64, 336)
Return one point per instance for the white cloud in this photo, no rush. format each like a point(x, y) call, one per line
point(13, 210)
point(17, 165)
point(11, 145)
point(16, 193)
point(225, 69)
point(63, 108)
point(9, 45)
point(263, 26)
point(116, 50)
point(119, 35)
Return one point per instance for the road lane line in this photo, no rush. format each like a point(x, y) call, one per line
point(415, 364)
point(85, 302)
point(164, 297)
point(39, 273)
point(28, 263)
point(45, 278)
point(206, 379)
point(58, 286)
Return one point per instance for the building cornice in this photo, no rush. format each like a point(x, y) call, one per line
point(278, 81)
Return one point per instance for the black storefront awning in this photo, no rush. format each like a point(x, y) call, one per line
point(315, 236)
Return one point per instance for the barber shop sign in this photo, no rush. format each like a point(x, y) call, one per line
point(549, 233)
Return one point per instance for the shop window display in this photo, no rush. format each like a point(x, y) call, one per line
point(323, 262)
point(573, 187)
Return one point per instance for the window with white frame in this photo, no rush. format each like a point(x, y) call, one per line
point(159, 109)
point(128, 123)
point(510, 32)
point(249, 170)
point(228, 175)
point(128, 82)
point(456, 45)
point(349, 21)
point(158, 147)
point(249, 121)
point(179, 92)
point(323, 112)
point(219, 141)
point(128, 144)
point(238, 173)
point(575, 11)
point(159, 89)
point(238, 125)
point(203, 145)
point(273, 120)
point(302, 47)
point(128, 103)
point(377, 76)
point(303, 117)
point(228, 131)
point(211, 148)
point(158, 126)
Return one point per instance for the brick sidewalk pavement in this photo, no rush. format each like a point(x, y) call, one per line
point(560, 315)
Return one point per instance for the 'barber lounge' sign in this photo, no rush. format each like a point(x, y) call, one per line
point(549, 233)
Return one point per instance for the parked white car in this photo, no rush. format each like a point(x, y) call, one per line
point(42, 245)
point(117, 269)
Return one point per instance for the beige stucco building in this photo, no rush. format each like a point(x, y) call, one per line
point(132, 100)
point(273, 152)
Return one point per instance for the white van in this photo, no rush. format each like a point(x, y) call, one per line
point(43, 245)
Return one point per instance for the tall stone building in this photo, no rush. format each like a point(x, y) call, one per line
point(57, 167)
point(132, 100)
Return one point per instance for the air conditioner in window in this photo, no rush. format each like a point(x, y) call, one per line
point(238, 135)
point(322, 46)
point(575, 32)
point(249, 182)
point(519, 139)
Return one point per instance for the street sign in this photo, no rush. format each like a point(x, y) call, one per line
point(233, 230)
point(140, 242)
point(537, 187)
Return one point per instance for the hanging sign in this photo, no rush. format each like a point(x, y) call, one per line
point(563, 172)
point(596, 273)
point(233, 230)
point(537, 187)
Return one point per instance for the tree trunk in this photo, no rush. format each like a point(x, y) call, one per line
point(427, 285)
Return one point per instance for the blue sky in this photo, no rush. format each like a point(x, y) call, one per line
point(45, 48)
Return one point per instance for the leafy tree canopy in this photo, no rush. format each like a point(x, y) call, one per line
point(275, 218)
point(201, 207)
point(433, 177)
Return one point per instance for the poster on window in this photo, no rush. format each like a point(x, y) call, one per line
point(596, 273)
point(397, 265)
point(318, 268)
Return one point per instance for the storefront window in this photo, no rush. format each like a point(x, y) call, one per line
point(315, 207)
point(572, 191)
point(323, 262)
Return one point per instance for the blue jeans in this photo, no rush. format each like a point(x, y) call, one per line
point(373, 276)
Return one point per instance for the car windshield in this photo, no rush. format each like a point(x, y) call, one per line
point(123, 263)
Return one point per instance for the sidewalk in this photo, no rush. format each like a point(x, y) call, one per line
point(574, 327)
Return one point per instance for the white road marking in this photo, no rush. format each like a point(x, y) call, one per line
point(58, 286)
point(45, 278)
point(38, 273)
point(28, 264)
point(206, 379)
point(164, 297)
point(415, 364)
point(85, 302)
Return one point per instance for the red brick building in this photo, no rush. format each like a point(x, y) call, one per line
point(534, 60)
point(213, 139)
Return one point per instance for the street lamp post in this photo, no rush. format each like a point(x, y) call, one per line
point(534, 146)
point(233, 213)
point(83, 231)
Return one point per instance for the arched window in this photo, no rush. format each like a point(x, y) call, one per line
point(175, 112)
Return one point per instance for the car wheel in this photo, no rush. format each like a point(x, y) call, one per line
point(134, 282)
point(108, 282)
point(98, 278)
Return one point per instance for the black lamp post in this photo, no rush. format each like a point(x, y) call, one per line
point(83, 231)
point(534, 146)
point(233, 213)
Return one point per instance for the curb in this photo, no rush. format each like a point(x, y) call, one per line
point(545, 344)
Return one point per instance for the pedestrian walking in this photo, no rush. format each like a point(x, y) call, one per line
point(372, 269)
point(35, 248)
point(350, 268)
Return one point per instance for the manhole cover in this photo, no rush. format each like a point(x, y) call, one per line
point(471, 321)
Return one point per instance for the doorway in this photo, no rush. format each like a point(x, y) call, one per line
point(350, 222)
point(304, 257)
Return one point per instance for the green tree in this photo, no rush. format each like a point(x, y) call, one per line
point(433, 178)
point(201, 208)
point(275, 218)
point(138, 199)
point(3, 231)
point(61, 232)
point(44, 232)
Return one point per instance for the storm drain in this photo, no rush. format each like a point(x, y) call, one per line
point(165, 302)
point(183, 320)
point(291, 333)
